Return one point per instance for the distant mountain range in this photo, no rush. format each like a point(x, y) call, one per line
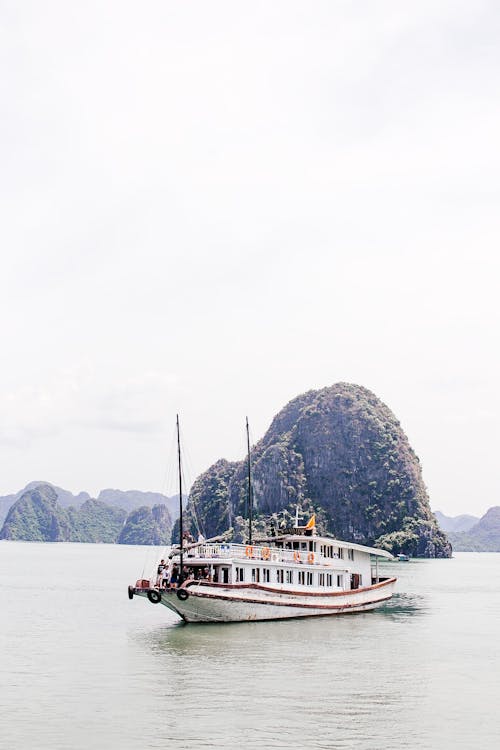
point(471, 534)
point(126, 499)
point(455, 523)
point(132, 499)
point(45, 513)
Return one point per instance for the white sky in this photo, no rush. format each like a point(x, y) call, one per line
point(211, 207)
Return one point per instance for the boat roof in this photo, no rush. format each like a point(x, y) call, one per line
point(375, 551)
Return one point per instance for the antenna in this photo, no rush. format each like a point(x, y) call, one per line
point(250, 509)
point(181, 527)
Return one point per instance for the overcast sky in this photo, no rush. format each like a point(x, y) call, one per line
point(211, 207)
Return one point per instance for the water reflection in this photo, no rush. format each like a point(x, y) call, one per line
point(404, 606)
point(284, 637)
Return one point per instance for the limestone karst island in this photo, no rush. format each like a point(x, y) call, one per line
point(338, 452)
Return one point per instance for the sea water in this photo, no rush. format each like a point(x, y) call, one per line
point(81, 666)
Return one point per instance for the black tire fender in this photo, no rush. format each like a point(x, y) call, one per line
point(130, 592)
point(182, 594)
point(154, 596)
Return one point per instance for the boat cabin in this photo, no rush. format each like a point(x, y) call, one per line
point(290, 562)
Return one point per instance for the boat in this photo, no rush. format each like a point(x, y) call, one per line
point(402, 558)
point(297, 574)
point(290, 574)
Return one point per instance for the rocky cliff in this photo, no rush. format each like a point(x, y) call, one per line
point(338, 452)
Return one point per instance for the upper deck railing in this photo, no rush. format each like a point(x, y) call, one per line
point(262, 553)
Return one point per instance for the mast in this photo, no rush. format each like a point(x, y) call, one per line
point(181, 528)
point(250, 503)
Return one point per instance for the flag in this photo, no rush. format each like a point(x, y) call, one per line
point(312, 522)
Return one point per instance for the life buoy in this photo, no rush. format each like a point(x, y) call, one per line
point(249, 550)
point(182, 594)
point(154, 597)
point(130, 592)
point(296, 556)
point(310, 558)
point(266, 553)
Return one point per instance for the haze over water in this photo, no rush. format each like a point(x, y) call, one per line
point(83, 667)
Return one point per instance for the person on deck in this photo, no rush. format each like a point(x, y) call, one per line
point(159, 572)
point(174, 578)
point(165, 578)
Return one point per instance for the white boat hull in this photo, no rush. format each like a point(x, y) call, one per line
point(219, 603)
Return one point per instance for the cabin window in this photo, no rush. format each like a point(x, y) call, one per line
point(350, 554)
point(341, 553)
point(279, 576)
point(240, 574)
point(309, 579)
point(321, 579)
point(265, 575)
point(289, 576)
point(302, 577)
point(255, 575)
point(303, 545)
point(296, 545)
point(328, 579)
point(340, 581)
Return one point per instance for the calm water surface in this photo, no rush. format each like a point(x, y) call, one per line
point(83, 667)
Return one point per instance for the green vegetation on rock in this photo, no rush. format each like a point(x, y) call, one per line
point(96, 521)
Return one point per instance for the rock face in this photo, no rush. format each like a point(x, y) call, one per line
point(338, 452)
point(147, 526)
point(38, 517)
point(484, 536)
